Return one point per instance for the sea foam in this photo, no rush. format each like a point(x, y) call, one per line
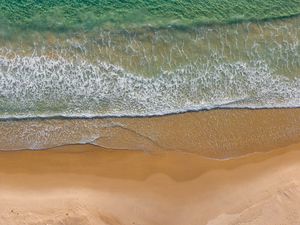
point(44, 87)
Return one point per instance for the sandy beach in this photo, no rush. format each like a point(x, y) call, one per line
point(83, 184)
point(150, 112)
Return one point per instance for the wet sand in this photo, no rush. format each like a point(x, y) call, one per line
point(84, 184)
point(220, 134)
point(171, 172)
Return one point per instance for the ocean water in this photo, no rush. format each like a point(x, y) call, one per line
point(145, 72)
point(71, 59)
point(74, 14)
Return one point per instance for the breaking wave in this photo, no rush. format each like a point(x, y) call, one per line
point(43, 87)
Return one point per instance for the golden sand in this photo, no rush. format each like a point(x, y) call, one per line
point(89, 185)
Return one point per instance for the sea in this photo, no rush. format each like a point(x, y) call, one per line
point(140, 62)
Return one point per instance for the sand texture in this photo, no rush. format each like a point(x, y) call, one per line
point(220, 134)
point(87, 185)
point(221, 167)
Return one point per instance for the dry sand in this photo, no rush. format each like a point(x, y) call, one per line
point(168, 183)
point(83, 184)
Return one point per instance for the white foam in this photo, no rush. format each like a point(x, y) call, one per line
point(43, 87)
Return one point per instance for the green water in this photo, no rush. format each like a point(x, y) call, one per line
point(113, 58)
point(118, 65)
point(73, 14)
point(143, 71)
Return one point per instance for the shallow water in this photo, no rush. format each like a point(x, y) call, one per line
point(142, 72)
point(220, 134)
point(110, 73)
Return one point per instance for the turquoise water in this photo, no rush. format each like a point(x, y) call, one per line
point(75, 14)
point(150, 71)
point(127, 58)
point(145, 58)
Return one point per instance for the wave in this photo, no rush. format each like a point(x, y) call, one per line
point(155, 72)
point(33, 87)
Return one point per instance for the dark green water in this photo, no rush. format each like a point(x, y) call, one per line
point(73, 14)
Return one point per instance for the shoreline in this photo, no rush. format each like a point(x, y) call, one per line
point(218, 134)
point(127, 116)
point(155, 171)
